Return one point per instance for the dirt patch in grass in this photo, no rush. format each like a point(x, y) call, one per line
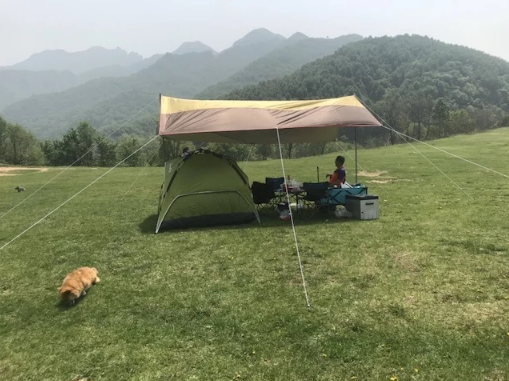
point(371, 174)
point(407, 262)
point(80, 378)
point(6, 171)
point(383, 180)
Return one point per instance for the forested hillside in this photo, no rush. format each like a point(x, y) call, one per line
point(19, 84)
point(298, 50)
point(419, 85)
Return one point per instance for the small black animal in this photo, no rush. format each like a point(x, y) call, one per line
point(20, 189)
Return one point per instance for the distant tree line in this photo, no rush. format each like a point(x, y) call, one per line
point(84, 146)
point(80, 146)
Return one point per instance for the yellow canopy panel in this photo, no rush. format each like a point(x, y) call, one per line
point(224, 121)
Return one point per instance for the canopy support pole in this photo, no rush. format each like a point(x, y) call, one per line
point(355, 138)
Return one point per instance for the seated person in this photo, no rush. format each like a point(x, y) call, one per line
point(338, 177)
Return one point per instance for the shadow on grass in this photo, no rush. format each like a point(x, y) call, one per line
point(64, 306)
point(476, 247)
point(148, 225)
point(268, 220)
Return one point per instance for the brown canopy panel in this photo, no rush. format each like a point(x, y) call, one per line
point(257, 121)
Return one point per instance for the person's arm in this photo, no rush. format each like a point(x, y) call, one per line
point(333, 179)
point(338, 177)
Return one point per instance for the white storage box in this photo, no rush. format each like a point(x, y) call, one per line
point(362, 207)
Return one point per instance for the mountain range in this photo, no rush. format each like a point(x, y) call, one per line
point(260, 65)
point(57, 70)
point(77, 62)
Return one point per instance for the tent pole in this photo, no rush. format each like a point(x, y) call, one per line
point(355, 134)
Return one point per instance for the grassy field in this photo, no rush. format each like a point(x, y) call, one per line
point(422, 293)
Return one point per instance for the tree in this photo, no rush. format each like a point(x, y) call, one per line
point(311, 149)
point(21, 147)
point(394, 111)
point(76, 147)
point(264, 151)
point(460, 122)
point(170, 149)
point(48, 150)
point(486, 117)
point(106, 152)
point(126, 147)
point(289, 148)
point(81, 146)
point(244, 152)
point(3, 138)
point(441, 117)
point(420, 109)
point(86, 146)
point(505, 121)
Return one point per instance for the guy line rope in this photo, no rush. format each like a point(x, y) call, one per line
point(293, 225)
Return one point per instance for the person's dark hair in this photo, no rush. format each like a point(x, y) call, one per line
point(340, 160)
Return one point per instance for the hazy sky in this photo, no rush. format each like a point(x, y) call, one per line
point(157, 26)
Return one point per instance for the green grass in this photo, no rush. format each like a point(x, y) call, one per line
point(422, 293)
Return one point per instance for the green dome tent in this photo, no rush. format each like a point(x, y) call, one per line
point(204, 189)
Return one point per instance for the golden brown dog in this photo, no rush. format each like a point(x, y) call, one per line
point(77, 282)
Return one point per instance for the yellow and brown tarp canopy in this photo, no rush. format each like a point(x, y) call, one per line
point(224, 121)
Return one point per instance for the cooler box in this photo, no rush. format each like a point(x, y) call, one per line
point(362, 207)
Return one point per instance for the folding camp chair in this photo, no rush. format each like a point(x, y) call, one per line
point(263, 195)
point(275, 182)
point(315, 193)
